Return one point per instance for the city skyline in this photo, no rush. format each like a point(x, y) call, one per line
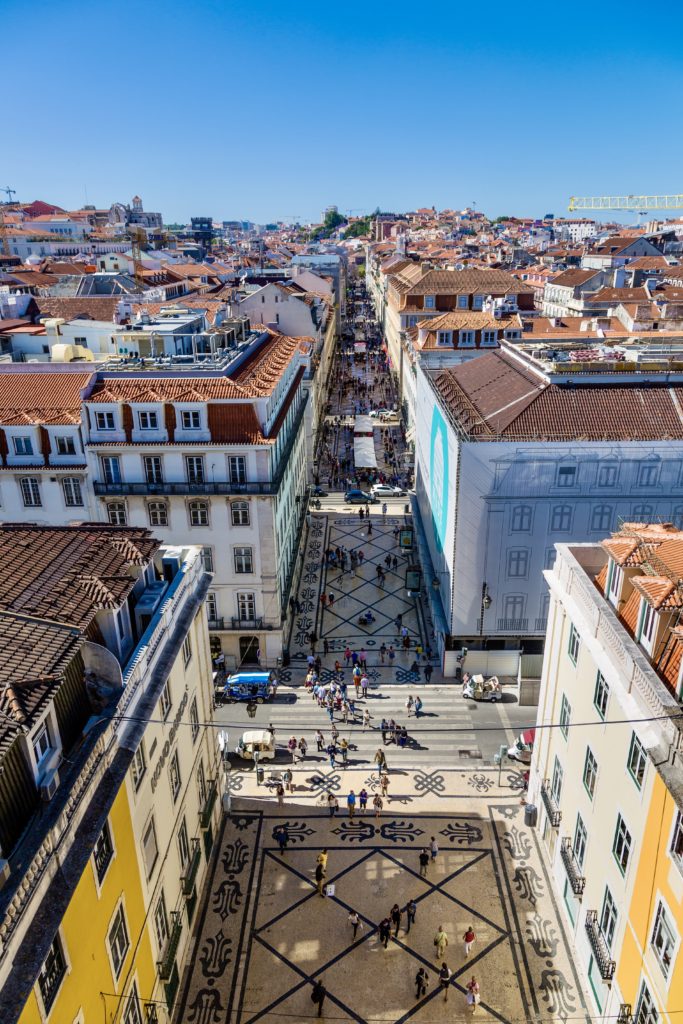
point(429, 112)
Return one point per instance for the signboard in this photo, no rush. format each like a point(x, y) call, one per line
point(405, 538)
point(413, 579)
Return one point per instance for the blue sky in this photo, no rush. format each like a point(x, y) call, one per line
point(268, 110)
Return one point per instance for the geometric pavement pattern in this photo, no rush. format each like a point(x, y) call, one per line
point(264, 934)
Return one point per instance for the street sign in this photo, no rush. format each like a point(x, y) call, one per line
point(405, 539)
point(413, 579)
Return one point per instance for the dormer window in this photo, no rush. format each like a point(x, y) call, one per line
point(444, 337)
point(513, 335)
point(466, 339)
point(22, 445)
point(616, 579)
point(648, 625)
point(462, 301)
point(477, 301)
point(489, 338)
point(190, 419)
point(148, 420)
point(430, 302)
point(104, 420)
point(566, 476)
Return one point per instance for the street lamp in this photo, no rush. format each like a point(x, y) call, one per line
point(485, 605)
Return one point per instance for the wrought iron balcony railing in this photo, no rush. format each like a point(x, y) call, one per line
point(190, 876)
point(553, 811)
point(207, 809)
point(167, 963)
point(576, 879)
point(601, 951)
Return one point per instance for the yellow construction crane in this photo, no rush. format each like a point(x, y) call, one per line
point(626, 203)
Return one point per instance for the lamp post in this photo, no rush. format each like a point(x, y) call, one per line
point(485, 605)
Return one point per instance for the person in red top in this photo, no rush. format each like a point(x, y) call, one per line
point(469, 938)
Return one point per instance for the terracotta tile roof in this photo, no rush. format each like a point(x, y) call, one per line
point(658, 591)
point(65, 574)
point(99, 307)
point(457, 282)
point(615, 295)
point(630, 612)
point(49, 398)
point(494, 397)
point(670, 664)
point(574, 277)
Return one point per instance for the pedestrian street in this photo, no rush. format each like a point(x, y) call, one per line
point(265, 934)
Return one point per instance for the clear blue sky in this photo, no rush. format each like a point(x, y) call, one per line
point(265, 110)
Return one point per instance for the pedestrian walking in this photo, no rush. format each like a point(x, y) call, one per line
point(323, 601)
point(421, 982)
point(303, 748)
point(428, 672)
point(344, 750)
point(469, 938)
point(384, 510)
point(473, 994)
point(445, 980)
point(363, 658)
point(280, 794)
point(318, 995)
point(409, 704)
point(378, 804)
point(330, 601)
point(381, 761)
point(281, 838)
point(320, 879)
point(366, 718)
point(288, 780)
point(433, 848)
point(364, 683)
point(292, 745)
point(363, 800)
point(355, 922)
point(411, 911)
point(347, 655)
point(424, 861)
point(332, 804)
point(384, 784)
point(382, 652)
point(384, 728)
point(351, 803)
point(385, 931)
point(440, 942)
point(322, 859)
point(326, 644)
point(392, 654)
point(320, 741)
point(331, 752)
point(396, 918)
point(369, 528)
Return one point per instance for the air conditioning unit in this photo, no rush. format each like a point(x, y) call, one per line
point(172, 562)
point(148, 603)
point(49, 784)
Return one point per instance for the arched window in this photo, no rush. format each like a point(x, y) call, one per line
point(601, 519)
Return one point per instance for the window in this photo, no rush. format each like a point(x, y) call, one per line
point(637, 761)
point(607, 476)
point(601, 695)
point(411, 321)
point(641, 513)
point(161, 922)
point(201, 784)
point(556, 783)
point(648, 624)
point(174, 775)
point(194, 467)
point(111, 469)
point(118, 940)
point(150, 850)
point(103, 852)
point(566, 476)
point(466, 339)
point(154, 473)
point(73, 495)
point(550, 557)
point(580, 840)
point(138, 767)
point(239, 511)
point(187, 650)
point(148, 420)
point(646, 1011)
point(199, 513)
point(601, 518)
point(158, 513)
point(521, 518)
point(190, 420)
point(243, 560)
point(246, 606)
point(430, 302)
point(183, 844)
point(116, 510)
point(648, 475)
point(565, 715)
point(22, 446)
point(477, 301)
point(207, 558)
point(615, 579)
point(574, 644)
point(237, 469)
point(514, 609)
point(621, 847)
point(590, 772)
point(65, 445)
point(608, 918)
point(30, 492)
point(664, 939)
point(444, 337)
point(104, 420)
point(132, 1014)
point(211, 606)
point(51, 973)
point(194, 719)
point(489, 339)
point(165, 701)
point(561, 518)
point(41, 743)
point(518, 562)
point(463, 301)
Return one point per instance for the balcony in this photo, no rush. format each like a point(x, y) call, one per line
point(166, 965)
point(552, 810)
point(541, 625)
point(215, 624)
point(190, 876)
point(183, 488)
point(247, 623)
point(601, 952)
point(207, 809)
point(513, 625)
point(576, 879)
point(51, 976)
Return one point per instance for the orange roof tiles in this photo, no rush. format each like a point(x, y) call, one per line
point(41, 398)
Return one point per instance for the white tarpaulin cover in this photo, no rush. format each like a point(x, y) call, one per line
point(364, 453)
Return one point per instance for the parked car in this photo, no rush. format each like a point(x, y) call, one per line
point(387, 491)
point(479, 688)
point(248, 686)
point(260, 740)
point(522, 747)
point(358, 497)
